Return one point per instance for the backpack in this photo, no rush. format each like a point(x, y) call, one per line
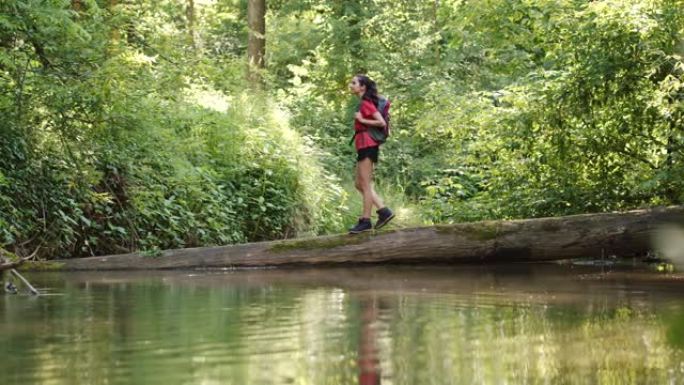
point(379, 134)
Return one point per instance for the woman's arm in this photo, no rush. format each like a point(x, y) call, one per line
point(376, 120)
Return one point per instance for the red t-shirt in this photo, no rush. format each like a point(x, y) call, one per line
point(363, 138)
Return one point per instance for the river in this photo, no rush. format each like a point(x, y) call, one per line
point(507, 324)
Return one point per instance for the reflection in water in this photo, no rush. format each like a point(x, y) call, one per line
point(464, 325)
point(369, 365)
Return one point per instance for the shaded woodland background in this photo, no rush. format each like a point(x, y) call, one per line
point(140, 125)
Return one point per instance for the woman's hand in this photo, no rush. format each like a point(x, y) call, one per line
point(377, 120)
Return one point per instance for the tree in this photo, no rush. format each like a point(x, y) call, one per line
point(190, 16)
point(256, 19)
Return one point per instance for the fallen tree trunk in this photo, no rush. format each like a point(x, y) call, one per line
point(8, 265)
point(12, 260)
point(543, 239)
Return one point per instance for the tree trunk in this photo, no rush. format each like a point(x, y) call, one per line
point(256, 20)
point(578, 236)
point(190, 16)
point(114, 33)
point(437, 31)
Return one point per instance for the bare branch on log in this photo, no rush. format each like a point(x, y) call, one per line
point(25, 281)
point(16, 261)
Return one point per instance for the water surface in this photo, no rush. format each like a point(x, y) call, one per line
point(522, 324)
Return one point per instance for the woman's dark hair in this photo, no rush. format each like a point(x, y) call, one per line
point(371, 88)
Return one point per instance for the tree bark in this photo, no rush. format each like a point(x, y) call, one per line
point(256, 47)
point(437, 29)
point(543, 239)
point(114, 33)
point(190, 16)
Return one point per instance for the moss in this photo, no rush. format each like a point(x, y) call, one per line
point(320, 243)
point(486, 231)
point(41, 266)
point(482, 231)
point(479, 231)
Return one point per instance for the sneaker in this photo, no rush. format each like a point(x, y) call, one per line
point(363, 225)
point(384, 216)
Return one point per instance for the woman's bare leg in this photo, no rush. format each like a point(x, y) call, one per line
point(377, 201)
point(364, 177)
point(364, 172)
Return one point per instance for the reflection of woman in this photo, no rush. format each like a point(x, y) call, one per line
point(368, 151)
point(369, 365)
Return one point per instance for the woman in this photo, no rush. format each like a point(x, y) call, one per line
point(367, 150)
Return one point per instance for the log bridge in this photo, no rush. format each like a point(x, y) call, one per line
point(592, 236)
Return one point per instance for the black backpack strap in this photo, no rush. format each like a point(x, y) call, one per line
point(356, 132)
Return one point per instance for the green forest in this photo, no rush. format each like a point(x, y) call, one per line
point(132, 125)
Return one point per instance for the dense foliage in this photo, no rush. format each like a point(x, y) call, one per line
point(130, 125)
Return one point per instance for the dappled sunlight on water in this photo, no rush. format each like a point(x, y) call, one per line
point(395, 325)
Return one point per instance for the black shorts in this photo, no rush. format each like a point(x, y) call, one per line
point(368, 152)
